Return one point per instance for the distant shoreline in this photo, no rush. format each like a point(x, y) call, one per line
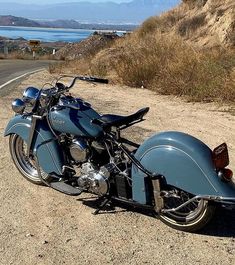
point(64, 29)
point(48, 34)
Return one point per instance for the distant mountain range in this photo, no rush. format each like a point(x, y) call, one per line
point(134, 11)
point(66, 24)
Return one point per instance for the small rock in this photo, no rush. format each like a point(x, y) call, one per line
point(29, 235)
point(45, 242)
point(170, 246)
point(67, 240)
point(40, 255)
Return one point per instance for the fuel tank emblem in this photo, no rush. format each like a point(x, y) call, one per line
point(58, 121)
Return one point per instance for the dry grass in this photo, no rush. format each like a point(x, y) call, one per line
point(189, 26)
point(155, 58)
point(25, 56)
point(164, 64)
point(169, 66)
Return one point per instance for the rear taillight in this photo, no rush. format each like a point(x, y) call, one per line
point(220, 156)
point(225, 174)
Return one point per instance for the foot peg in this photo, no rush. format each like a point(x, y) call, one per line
point(65, 188)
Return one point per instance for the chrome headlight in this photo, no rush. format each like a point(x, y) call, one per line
point(18, 106)
point(30, 95)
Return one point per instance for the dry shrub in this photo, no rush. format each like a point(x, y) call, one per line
point(19, 55)
point(195, 3)
point(188, 26)
point(78, 66)
point(163, 23)
point(138, 62)
point(169, 66)
point(163, 63)
point(149, 26)
point(199, 76)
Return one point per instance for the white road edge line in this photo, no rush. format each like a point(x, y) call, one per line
point(16, 78)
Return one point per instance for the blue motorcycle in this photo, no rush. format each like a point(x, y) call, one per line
point(62, 142)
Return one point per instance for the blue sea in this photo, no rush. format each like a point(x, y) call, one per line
point(45, 34)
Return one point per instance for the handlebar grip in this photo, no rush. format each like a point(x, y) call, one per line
point(100, 80)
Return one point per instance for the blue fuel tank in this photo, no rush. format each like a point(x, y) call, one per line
point(74, 116)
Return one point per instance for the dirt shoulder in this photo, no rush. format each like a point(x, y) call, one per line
point(41, 226)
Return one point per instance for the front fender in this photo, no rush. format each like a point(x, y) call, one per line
point(44, 144)
point(184, 161)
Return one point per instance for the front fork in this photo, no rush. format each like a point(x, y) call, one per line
point(32, 130)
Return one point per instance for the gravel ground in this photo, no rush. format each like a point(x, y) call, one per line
point(41, 226)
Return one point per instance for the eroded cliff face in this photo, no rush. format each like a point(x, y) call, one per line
point(204, 23)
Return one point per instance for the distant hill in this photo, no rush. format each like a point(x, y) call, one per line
point(134, 11)
point(17, 21)
point(69, 24)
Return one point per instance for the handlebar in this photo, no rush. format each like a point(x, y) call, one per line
point(60, 88)
point(88, 79)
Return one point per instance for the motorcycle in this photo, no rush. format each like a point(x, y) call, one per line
point(60, 141)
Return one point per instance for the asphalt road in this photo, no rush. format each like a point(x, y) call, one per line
point(10, 69)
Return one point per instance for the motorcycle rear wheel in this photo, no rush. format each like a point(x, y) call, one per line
point(192, 217)
point(24, 163)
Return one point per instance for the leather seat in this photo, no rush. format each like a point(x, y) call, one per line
point(110, 120)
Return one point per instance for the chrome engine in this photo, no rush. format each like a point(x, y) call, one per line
point(79, 150)
point(95, 181)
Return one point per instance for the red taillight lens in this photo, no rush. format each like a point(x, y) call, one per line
point(228, 174)
point(220, 156)
point(225, 174)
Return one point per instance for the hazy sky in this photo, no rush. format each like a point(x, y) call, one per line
point(58, 1)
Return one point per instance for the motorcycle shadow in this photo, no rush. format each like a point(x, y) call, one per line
point(222, 224)
point(94, 203)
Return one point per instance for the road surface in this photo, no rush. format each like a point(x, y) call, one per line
point(10, 69)
point(39, 226)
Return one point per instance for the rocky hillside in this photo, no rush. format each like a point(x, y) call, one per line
point(204, 23)
point(87, 47)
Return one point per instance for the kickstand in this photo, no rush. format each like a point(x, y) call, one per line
point(101, 206)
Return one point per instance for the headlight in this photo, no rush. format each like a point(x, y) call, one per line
point(30, 95)
point(18, 106)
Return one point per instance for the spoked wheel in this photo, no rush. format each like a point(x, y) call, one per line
point(25, 164)
point(190, 218)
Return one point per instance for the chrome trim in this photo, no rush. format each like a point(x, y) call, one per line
point(222, 199)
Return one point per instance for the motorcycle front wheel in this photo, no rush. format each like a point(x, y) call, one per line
point(190, 218)
point(24, 163)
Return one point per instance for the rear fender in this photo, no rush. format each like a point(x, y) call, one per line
point(184, 161)
point(44, 144)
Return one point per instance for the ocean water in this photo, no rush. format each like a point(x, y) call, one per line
point(45, 34)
